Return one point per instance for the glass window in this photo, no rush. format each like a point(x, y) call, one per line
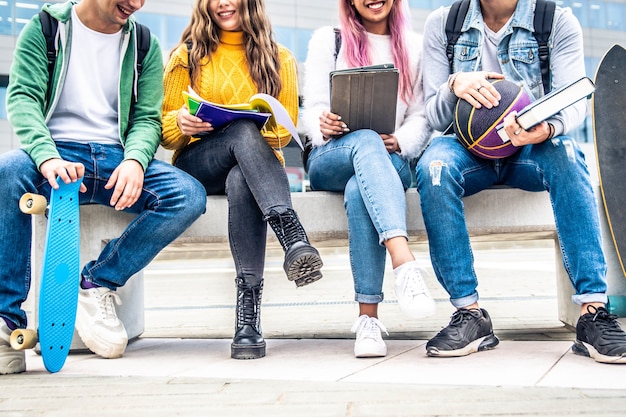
point(6, 20)
point(597, 15)
point(286, 37)
point(615, 16)
point(579, 10)
point(175, 27)
point(24, 11)
point(3, 101)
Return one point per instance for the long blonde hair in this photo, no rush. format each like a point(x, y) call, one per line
point(202, 35)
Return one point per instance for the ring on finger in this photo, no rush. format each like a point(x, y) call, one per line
point(517, 132)
point(478, 89)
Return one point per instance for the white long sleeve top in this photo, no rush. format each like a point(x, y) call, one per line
point(412, 130)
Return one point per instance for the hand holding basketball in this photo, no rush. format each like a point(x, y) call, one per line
point(476, 127)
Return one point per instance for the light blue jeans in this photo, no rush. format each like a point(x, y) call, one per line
point(373, 182)
point(169, 203)
point(447, 172)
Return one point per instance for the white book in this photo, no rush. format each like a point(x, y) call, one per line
point(550, 104)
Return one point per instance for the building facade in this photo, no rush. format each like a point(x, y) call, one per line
point(603, 22)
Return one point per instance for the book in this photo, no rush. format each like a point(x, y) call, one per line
point(366, 97)
point(264, 110)
point(550, 104)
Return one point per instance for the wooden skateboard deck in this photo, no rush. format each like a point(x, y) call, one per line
point(609, 127)
point(58, 297)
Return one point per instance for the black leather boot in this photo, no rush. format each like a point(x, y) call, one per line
point(302, 261)
point(248, 342)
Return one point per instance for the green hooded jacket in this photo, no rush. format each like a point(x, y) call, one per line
point(27, 108)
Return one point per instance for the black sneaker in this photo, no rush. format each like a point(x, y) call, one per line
point(600, 337)
point(469, 331)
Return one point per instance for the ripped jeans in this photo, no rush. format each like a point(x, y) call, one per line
point(447, 172)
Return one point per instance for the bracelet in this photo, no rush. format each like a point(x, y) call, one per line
point(451, 80)
point(552, 131)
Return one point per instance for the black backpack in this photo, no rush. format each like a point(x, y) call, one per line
point(544, 16)
point(49, 28)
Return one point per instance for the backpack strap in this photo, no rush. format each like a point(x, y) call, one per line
point(337, 42)
point(49, 27)
point(454, 23)
point(143, 44)
point(544, 15)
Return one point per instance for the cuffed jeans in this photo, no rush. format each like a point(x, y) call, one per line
point(373, 182)
point(169, 203)
point(447, 172)
point(238, 162)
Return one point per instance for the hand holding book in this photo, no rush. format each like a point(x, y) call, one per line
point(263, 109)
point(551, 104)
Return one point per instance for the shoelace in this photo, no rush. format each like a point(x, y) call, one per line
point(605, 320)
point(367, 326)
point(247, 311)
point(415, 285)
point(107, 309)
point(288, 227)
point(462, 314)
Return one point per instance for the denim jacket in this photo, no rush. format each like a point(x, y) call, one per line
point(518, 54)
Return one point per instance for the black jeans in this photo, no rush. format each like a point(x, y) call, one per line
point(238, 162)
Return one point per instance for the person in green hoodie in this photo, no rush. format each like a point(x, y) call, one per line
point(99, 121)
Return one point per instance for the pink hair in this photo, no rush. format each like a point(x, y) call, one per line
point(354, 37)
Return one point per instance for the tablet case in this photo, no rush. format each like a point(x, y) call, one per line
point(366, 97)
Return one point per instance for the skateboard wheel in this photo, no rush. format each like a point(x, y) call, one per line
point(23, 339)
point(33, 204)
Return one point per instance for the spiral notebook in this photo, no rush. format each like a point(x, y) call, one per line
point(366, 97)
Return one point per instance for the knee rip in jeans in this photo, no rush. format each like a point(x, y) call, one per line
point(435, 168)
point(569, 148)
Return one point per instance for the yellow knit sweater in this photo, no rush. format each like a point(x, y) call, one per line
point(224, 80)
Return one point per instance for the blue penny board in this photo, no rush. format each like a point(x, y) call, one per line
point(609, 125)
point(58, 297)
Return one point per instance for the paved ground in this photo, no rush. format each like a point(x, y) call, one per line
point(181, 364)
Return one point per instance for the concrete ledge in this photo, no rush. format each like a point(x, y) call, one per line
point(323, 215)
point(500, 214)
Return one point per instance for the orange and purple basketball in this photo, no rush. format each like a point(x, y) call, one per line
point(476, 128)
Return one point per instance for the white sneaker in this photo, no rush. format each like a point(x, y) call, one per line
point(11, 361)
point(369, 341)
point(97, 323)
point(413, 296)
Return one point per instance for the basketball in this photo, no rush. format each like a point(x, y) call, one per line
point(476, 128)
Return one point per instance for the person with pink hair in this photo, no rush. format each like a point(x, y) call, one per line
point(372, 170)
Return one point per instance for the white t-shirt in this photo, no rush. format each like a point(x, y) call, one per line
point(490, 50)
point(87, 110)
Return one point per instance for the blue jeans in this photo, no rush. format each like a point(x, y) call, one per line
point(373, 182)
point(447, 172)
point(170, 202)
point(238, 162)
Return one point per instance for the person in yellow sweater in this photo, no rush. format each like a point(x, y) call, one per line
point(227, 54)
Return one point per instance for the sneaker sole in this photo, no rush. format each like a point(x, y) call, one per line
point(484, 343)
point(585, 349)
point(11, 362)
point(374, 350)
point(256, 351)
point(95, 344)
point(303, 266)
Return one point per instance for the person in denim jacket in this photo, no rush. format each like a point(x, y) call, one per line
point(497, 42)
